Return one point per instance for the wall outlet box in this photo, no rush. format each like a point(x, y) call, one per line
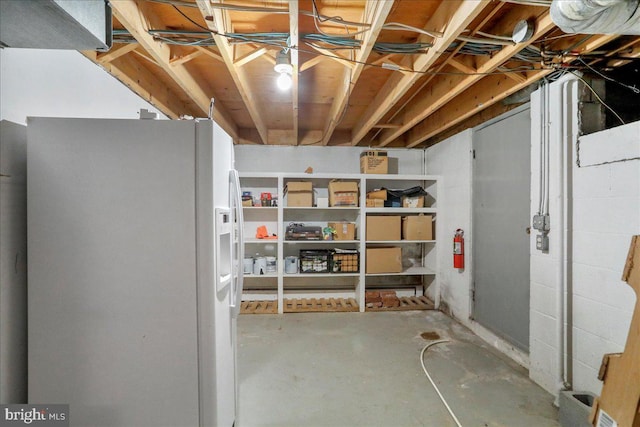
point(541, 222)
point(542, 242)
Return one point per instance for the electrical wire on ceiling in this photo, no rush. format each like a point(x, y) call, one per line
point(473, 48)
point(397, 26)
point(272, 10)
point(123, 36)
point(321, 19)
point(634, 89)
point(483, 46)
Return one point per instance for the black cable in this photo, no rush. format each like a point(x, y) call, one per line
point(191, 20)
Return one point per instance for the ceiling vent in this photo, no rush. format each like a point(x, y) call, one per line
point(56, 24)
point(597, 16)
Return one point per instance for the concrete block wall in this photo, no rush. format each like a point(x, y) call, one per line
point(452, 159)
point(604, 205)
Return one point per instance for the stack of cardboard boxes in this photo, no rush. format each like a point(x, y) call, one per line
point(382, 228)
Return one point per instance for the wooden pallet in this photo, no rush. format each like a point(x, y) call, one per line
point(259, 307)
point(307, 305)
point(407, 303)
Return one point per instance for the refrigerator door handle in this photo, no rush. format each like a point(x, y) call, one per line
point(238, 242)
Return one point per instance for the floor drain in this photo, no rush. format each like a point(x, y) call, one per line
point(430, 336)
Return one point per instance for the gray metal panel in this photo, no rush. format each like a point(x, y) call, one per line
point(112, 274)
point(501, 176)
point(13, 263)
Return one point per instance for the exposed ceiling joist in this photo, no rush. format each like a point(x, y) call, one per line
point(254, 54)
point(481, 96)
point(180, 59)
point(116, 52)
point(210, 53)
point(293, 40)
point(130, 15)
point(452, 18)
point(449, 87)
point(411, 94)
point(217, 26)
point(311, 63)
point(375, 14)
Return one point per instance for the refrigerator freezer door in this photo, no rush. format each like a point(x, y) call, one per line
point(112, 270)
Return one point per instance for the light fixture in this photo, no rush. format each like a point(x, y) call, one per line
point(285, 69)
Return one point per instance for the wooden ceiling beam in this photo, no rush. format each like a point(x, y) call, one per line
point(311, 63)
point(143, 82)
point(144, 55)
point(127, 12)
point(183, 59)
point(217, 26)
point(483, 94)
point(293, 53)
point(116, 52)
point(451, 18)
point(334, 56)
point(375, 14)
point(210, 53)
point(254, 54)
point(447, 88)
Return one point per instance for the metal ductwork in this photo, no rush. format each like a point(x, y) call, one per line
point(55, 24)
point(597, 16)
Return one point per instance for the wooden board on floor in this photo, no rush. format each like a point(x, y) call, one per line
point(408, 303)
point(308, 305)
point(259, 307)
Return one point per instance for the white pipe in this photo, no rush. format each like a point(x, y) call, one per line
point(564, 148)
point(597, 16)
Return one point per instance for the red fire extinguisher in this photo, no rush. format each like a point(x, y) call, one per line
point(458, 249)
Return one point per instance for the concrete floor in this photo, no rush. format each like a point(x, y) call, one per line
point(363, 369)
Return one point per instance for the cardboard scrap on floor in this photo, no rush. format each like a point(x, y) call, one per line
point(619, 401)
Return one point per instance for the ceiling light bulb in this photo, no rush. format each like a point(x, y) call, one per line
point(284, 81)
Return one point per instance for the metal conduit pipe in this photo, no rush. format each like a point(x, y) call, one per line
point(597, 16)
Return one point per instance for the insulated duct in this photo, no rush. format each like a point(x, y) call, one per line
point(56, 24)
point(597, 16)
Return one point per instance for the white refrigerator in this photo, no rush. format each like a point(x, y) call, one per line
point(134, 271)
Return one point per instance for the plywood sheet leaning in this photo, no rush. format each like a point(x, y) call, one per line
point(620, 397)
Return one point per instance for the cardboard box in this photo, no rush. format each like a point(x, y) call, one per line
point(299, 194)
point(417, 227)
point(374, 161)
point(384, 260)
point(413, 202)
point(377, 194)
point(383, 227)
point(375, 203)
point(343, 193)
point(620, 396)
point(344, 230)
